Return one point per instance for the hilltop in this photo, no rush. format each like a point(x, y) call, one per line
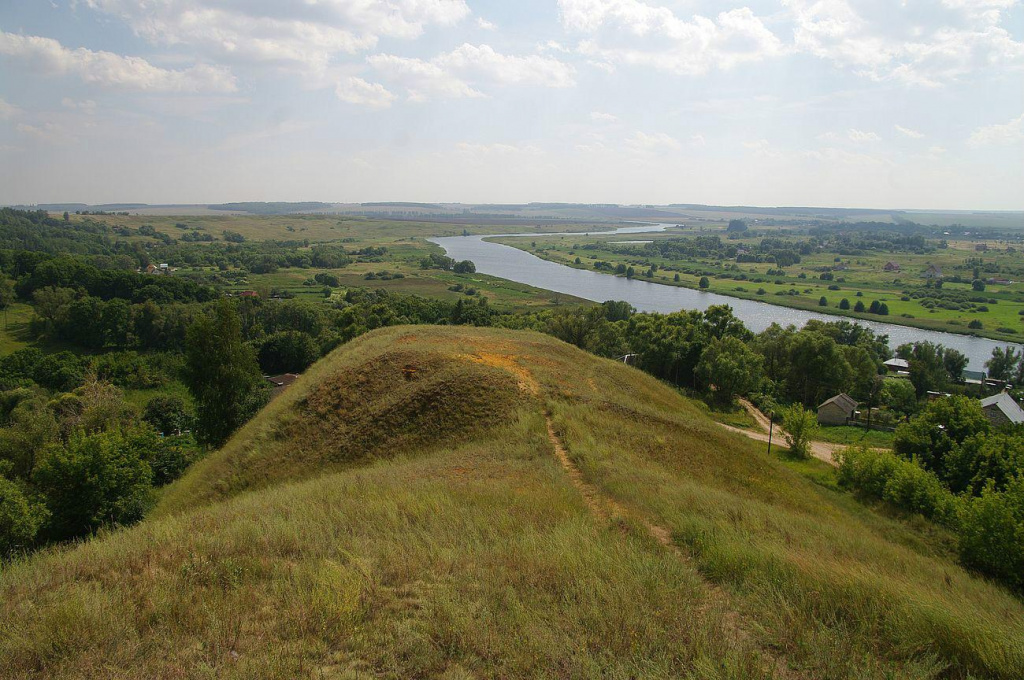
point(460, 502)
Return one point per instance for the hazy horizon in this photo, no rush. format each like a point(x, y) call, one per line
point(852, 103)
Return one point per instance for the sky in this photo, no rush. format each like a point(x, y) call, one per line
point(842, 103)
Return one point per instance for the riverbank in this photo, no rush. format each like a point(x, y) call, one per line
point(787, 301)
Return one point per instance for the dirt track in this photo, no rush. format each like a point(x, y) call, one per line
point(820, 450)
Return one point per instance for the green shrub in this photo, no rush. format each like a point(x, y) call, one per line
point(93, 481)
point(800, 424)
point(905, 484)
point(20, 518)
point(992, 533)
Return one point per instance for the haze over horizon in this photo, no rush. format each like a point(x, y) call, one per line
point(858, 104)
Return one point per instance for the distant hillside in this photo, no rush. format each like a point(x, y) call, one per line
point(456, 502)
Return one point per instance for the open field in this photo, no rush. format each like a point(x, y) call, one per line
point(512, 507)
point(856, 278)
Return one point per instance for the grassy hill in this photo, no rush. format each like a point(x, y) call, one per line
point(456, 502)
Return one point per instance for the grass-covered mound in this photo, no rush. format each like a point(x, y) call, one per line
point(434, 532)
point(364, 402)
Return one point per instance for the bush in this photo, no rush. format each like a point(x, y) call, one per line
point(171, 456)
point(992, 533)
point(800, 424)
point(92, 481)
point(884, 476)
point(20, 518)
point(168, 415)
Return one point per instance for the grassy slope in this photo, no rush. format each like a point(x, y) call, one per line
point(394, 536)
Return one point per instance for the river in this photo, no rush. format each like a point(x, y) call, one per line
point(517, 265)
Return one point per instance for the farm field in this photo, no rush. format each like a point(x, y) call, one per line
point(996, 311)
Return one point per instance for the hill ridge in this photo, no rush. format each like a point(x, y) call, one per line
point(591, 521)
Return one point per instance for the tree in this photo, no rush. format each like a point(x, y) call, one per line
point(7, 296)
point(730, 366)
point(978, 285)
point(1003, 364)
point(932, 366)
point(736, 227)
point(167, 415)
point(464, 267)
point(899, 396)
point(943, 425)
point(92, 481)
point(844, 304)
point(816, 368)
point(823, 301)
point(288, 352)
point(859, 307)
point(704, 283)
point(800, 425)
point(222, 374)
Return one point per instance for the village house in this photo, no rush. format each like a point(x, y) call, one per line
point(1001, 409)
point(897, 365)
point(281, 382)
point(932, 272)
point(837, 410)
point(891, 266)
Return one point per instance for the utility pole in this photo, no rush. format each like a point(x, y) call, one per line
point(771, 427)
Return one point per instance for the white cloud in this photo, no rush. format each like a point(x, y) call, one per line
point(636, 33)
point(357, 91)
point(657, 142)
point(856, 135)
point(260, 136)
point(885, 41)
point(299, 33)
point(482, 61)
point(1006, 133)
point(8, 110)
point(600, 117)
point(834, 156)
point(107, 69)
point(485, 24)
point(423, 80)
point(762, 148)
point(907, 132)
point(47, 132)
point(497, 149)
point(697, 140)
point(448, 75)
point(87, 106)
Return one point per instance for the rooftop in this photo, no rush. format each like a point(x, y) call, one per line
point(1005, 403)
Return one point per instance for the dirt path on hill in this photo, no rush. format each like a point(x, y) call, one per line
point(608, 510)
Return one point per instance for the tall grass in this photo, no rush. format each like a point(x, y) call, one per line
point(468, 553)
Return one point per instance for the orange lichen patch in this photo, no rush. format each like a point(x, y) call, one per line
point(508, 362)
